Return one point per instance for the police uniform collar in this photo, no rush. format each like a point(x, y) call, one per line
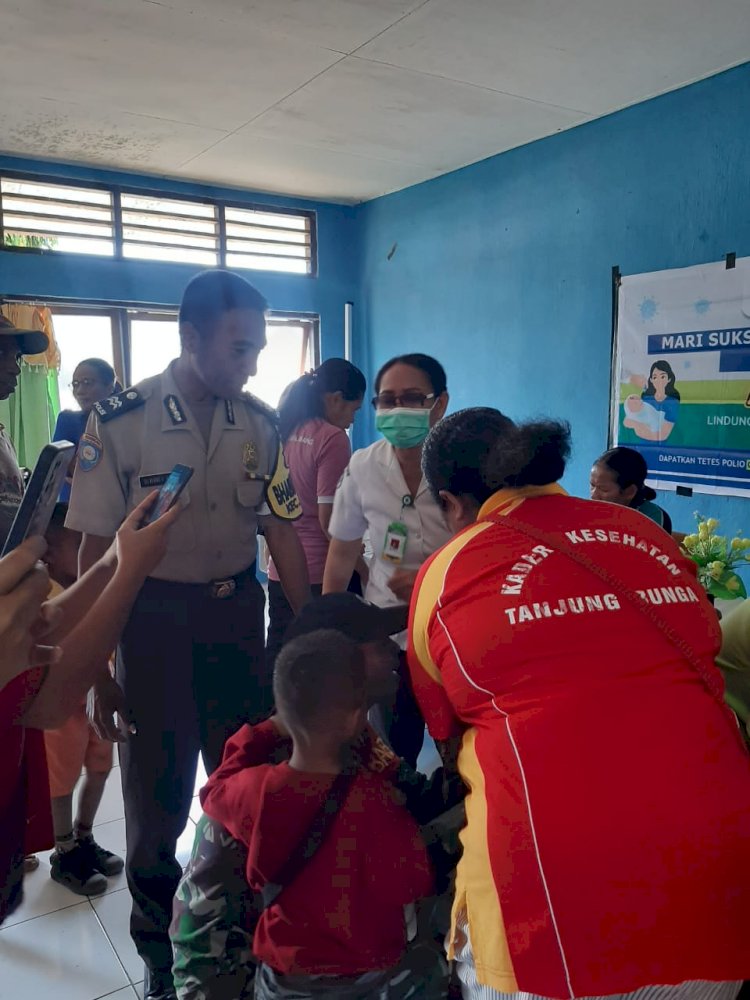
point(506, 500)
point(176, 409)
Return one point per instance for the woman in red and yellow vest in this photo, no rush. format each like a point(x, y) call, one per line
point(608, 817)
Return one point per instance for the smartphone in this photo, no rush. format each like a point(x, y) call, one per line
point(35, 510)
point(170, 492)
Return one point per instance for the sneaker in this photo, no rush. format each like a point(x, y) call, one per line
point(102, 860)
point(74, 870)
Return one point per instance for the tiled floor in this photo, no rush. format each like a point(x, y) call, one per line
point(67, 947)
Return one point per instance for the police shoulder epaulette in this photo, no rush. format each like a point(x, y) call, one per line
point(119, 403)
point(261, 407)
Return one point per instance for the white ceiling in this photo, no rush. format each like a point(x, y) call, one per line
point(336, 99)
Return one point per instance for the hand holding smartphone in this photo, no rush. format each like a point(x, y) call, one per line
point(170, 492)
point(35, 510)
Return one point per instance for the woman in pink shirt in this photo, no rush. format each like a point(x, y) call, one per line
point(315, 413)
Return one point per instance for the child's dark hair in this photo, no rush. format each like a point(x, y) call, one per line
point(316, 677)
point(429, 366)
point(303, 400)
point(455, 453)
point(210, 294)
point(629, 468)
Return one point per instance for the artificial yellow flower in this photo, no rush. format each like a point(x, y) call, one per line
point(716, 569)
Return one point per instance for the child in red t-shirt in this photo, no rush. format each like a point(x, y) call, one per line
point(338, 925)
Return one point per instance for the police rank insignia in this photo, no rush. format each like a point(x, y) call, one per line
point(117, 404)
point(250, 457)
point(174, 409)
point(89, 452)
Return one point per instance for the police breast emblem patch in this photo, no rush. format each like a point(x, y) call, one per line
point(89, 452)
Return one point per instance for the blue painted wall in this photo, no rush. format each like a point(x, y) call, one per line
point(502, 269)
point(84, 278)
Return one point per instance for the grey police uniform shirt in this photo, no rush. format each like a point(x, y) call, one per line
point(11, 485)
point(133, 440)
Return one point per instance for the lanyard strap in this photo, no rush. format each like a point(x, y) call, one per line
point(314, 838)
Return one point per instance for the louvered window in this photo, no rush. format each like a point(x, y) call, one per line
point(268, 240)
point(47, 215)
point(165, 229)
point(56, 217)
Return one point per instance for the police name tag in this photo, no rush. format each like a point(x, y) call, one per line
point(394, 547)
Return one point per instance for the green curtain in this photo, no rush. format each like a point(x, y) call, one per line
point(29, 415)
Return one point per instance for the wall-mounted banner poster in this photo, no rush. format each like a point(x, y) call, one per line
point(681, 380)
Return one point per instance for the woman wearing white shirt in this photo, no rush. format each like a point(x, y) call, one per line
point(383, 494)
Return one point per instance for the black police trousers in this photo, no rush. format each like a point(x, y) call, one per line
point(193, 670)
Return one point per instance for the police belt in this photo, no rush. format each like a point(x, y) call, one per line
point(218, 590)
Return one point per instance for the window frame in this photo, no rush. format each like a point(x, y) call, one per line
point(116, 191)
point(121, 314)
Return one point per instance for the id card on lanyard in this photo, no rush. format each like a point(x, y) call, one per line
point(397, 535)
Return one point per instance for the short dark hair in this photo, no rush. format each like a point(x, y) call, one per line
point(318, 676)
point(629, 468)
point(429, 366)
point(210, 294)
point(456, 450)
point(303, 399)
point(531, 454)
point(103, 369)
point(512, 455)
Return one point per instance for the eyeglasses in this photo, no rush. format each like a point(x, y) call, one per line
point(411, 400)
point(83, 383)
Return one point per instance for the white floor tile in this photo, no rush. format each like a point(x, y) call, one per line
point(41, 895)
point(113, 909)
point(126, 993)
point(64, 954)
point(139, 990)
point(111, 835)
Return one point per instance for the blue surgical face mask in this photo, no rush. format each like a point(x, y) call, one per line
point(402, 426)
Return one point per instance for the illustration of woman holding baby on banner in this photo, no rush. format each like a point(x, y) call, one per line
point(653, 414)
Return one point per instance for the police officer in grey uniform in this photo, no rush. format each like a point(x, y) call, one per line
point(191, 660)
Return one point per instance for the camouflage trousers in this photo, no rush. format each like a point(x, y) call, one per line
point(422, 974)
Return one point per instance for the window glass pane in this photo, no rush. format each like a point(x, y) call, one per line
point(153, 344)
point(79, 337)
point(281, 362)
